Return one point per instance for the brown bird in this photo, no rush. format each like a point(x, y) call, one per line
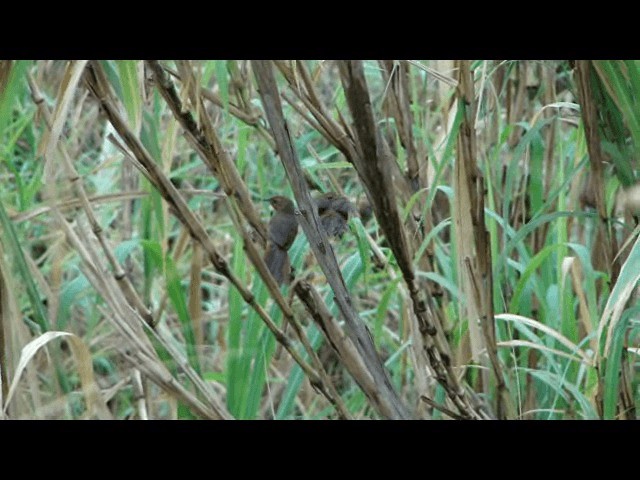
point(283, 228)
point(334, 210)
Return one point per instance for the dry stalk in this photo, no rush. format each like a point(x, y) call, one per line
point(76, 182)
point(138, 394)
point(604, 248)
point(207, 144)
point(137, 348)
point(373, 166)
point(516, 109)
point(326, 125)
point(396, 75)
point(442, 408)
point(603, 252)
point(195, 295)
point(474, 257)
point(72, 203)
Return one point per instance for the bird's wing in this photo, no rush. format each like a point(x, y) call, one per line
point(333, 223)
point(280, 230)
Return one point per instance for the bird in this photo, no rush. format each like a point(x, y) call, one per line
point(282, 231)
point(334, 211)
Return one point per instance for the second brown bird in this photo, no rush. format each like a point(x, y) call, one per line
point(334, 211)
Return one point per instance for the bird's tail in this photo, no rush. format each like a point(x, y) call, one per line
point(277, 260)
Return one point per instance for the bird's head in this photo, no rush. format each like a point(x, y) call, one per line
point(281, 204)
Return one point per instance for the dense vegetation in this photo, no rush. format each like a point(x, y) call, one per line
point(489, 268)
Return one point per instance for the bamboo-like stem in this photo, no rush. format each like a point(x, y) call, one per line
point(374, 167)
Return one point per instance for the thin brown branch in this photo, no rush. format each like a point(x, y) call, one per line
point(334, 133)
point(396, 75)
point(209, 147)
point(603, 250)
point(76, 183)
point(603, 253)
point(474, 253)
point(442, 408)
point(374, 172)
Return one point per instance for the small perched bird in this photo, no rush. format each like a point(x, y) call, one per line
point(334, 210)
point(283, 228)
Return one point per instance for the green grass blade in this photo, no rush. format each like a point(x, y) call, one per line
point(177, 295)
point(236, 384)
